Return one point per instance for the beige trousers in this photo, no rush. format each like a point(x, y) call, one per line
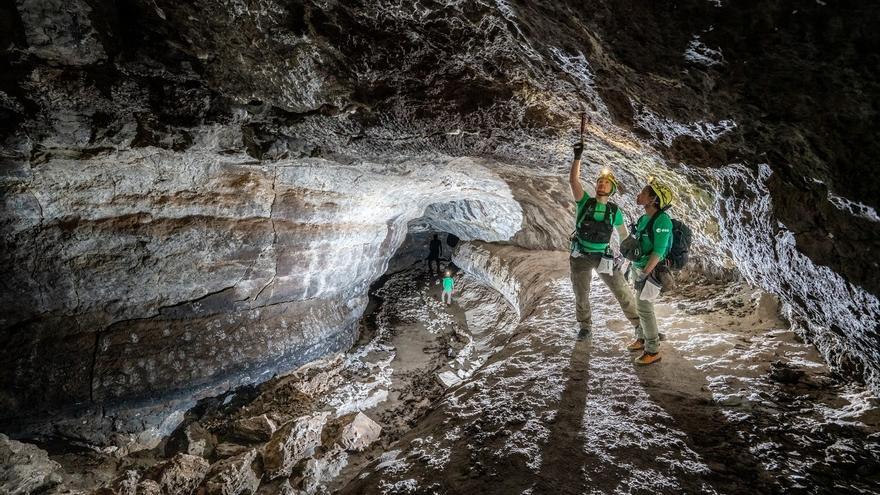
point(581, 277)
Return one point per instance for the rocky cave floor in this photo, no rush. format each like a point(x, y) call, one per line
point(474, 397)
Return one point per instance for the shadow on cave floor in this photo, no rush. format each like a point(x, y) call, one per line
point(743, 447)
point(618, 431)
point(738, 405)
point(563, 457)
point(680, 389)
point(724, 446)
point(755, 404)
point(569, 466)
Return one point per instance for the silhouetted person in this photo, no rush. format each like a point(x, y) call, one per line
point(434, 253)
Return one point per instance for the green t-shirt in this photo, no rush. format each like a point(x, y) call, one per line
point(447, 283)
point(662, 238)
point(599, 216)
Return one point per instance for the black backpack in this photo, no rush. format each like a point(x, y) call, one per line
point(677, 257)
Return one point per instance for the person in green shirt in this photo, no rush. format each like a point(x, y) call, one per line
point(595, 220)
point(447, 288)
point(654, 232)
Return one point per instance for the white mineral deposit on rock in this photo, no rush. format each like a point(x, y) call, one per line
point(216, 222)
point(358, 431)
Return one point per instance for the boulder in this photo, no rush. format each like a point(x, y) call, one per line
point(448, 379)
point(149, 487)
point(354, 432)
point(229, 449)
point(127, 483)
point(199, 441)
point(25, 468)
point(255, 429)
point(277, 487)
point(233, 476)
point(292, 443)
point(320, 470)
point(180, 475)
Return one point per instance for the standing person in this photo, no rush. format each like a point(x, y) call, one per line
point(447, 288)
point(434, 248)
point(595, 220)
point(654, 233)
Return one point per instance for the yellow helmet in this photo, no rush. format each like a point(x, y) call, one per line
point(607, 175)
point(664, 194)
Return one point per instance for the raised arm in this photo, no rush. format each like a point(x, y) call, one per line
point(574, 176)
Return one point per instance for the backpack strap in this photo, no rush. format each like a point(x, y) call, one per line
point(611, 213)
point(651, 234)
point(650, 226)
point(589, 206)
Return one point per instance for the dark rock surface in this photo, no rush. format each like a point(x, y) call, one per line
point(196, 195)
point(25, 468)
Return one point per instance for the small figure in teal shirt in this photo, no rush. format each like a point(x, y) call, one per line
point(447, 288)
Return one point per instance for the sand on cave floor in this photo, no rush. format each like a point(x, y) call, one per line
point(738, 404)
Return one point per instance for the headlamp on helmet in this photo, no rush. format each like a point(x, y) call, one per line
point(606, 174)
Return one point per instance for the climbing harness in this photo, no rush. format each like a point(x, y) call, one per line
point(590, 230)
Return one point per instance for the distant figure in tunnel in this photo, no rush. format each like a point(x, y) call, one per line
point(654, 234)
point(448, 283)
point(595, 220)
point(434, 249)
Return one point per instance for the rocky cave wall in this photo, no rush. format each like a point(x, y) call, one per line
point(198, 194)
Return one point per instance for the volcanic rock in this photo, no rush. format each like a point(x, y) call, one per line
point(233, 476)
point(25, 468)
point(291, 443)
point(181, 474)
point(256, 429)
point(354, 431)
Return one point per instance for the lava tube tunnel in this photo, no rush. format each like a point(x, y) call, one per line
point(397, 247)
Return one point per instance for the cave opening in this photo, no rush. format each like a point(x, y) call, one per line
point(415, 251)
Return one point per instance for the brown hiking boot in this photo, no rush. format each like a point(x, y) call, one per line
point(636, 345)
point(648, 358)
